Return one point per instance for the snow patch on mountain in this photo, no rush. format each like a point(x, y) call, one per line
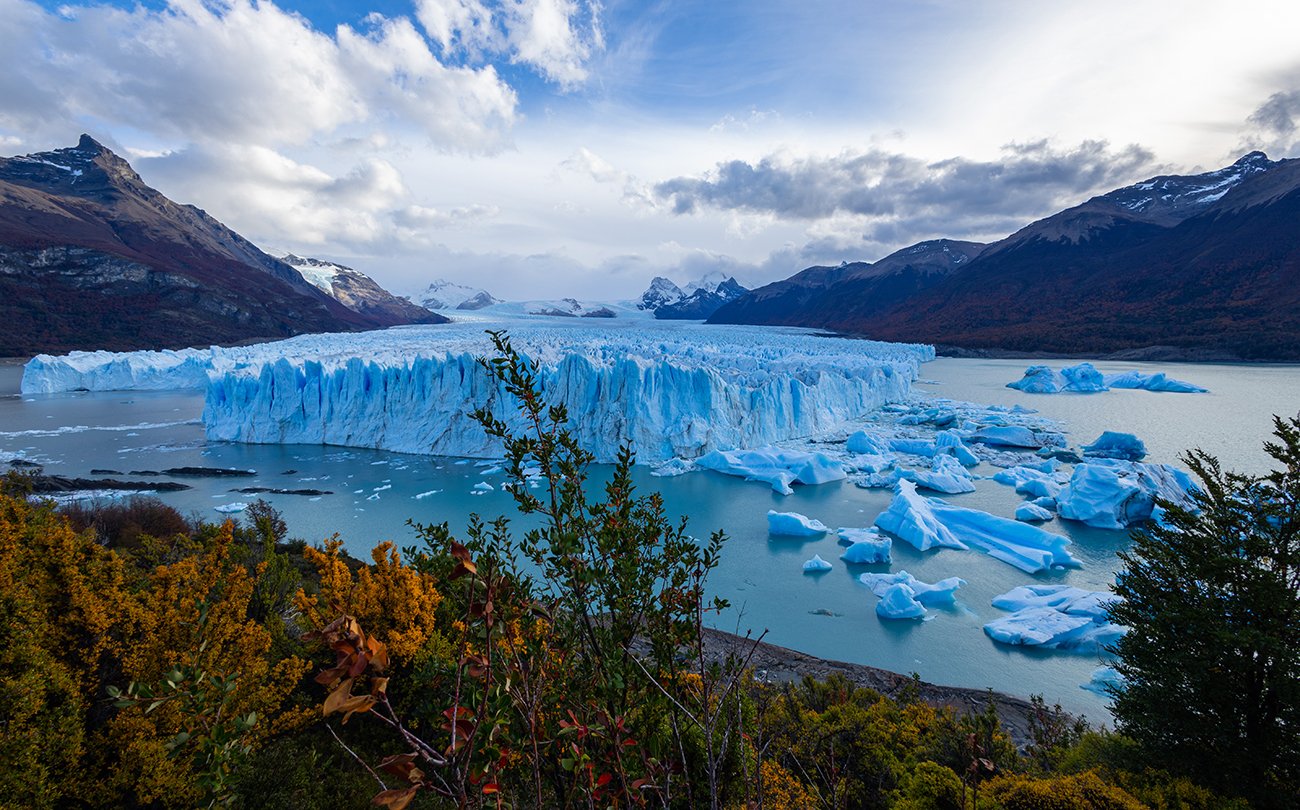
point(443, 294)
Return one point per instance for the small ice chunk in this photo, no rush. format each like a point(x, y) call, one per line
point(1105, 681)
point(915, 447)
point(1111, 444)
point(483, 486)
point(866, 547)
point(897, 602)
point(1008, 436)
point(950, 442)
point(1032, 513)
point(946, 474)
point(942, 592)
point(816, 565)
point(793, 524)
point(865, 444)
point(231, 508)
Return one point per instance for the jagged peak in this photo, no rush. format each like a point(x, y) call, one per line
point(1251, 158)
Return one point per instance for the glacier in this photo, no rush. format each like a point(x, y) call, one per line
point(681, 390)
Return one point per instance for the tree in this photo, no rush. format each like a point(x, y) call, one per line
point(1211, 595)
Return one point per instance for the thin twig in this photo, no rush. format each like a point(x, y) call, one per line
point(364, 764)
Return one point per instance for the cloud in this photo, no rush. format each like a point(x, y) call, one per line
point(1274, 126)
point(896, 195)
point(241, 71)
point(557, 38)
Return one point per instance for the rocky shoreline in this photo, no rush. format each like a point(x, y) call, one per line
point(775, 664)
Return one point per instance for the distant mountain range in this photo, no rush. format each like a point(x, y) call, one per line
point(93, 258)
point(696, 301)
point(1203, 265)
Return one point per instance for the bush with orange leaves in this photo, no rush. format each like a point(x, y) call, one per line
point(78, 619)
point(392, 600)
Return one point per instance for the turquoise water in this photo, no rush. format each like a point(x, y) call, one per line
point(375, 495)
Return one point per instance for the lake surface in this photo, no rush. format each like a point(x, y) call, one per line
point(376, 493)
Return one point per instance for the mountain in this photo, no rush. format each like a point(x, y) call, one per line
point(1206, 264)
point(93, 258)
point(696, 301)
point(852, 291)
point(359, 292)
point(443, 294)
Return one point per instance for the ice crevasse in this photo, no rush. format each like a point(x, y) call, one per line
point(676, 395)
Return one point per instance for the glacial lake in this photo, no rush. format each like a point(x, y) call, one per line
point(831, 615)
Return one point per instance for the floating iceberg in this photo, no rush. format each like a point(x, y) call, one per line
point(950, 442)
point(1055, 617)
point(1033, 513)
point(771, 465)
point(942, 592)
point(1105, 681)
point(1031, 480)
point(816, 565)
point(866, 546)
point(1011, 436)
point(1085, 378)
point(1110, 444)
point(915, 447)
point(898, 602)
point(1114, 494)
point(946, 474)
point(911, 517)
point(902, 596)
point(929, 522)
point(793, 524)
point(865, 444)
point(1152, 382)
point(231, 508)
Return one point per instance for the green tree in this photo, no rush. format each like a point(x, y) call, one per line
point(1212, 660)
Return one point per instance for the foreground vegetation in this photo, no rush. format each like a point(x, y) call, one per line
point(149, 661)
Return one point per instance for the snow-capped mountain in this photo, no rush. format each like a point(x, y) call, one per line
point(569, 308)
point(697, 300)
point(443, 294)
point(92, 257)
point(359, 292)
point(661, 292)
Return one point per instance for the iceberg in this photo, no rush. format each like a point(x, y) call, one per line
point(1086, 379)
point(1105, 681)
point(1115, 494)
point(950, 442)
point(866, 546)
point(1153, 382)
point(1110, 444)
point(942, 592)
point(231, 508)
point(946, 474)
point(1009, 436)
point(915, 447)
point(911, 518)
point(771, 465)
point(903, 596)
point(1055, 617)
point(1033, 513)
point(930, 522)
point(816, 565)
point(899, 602)
point(1031, 480)
point(865, 444)
point(793, 524)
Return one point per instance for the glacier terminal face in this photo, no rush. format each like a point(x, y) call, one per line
point(673, 391)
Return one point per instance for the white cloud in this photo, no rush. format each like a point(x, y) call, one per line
point(240, 71)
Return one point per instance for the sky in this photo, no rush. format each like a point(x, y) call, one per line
point(548, 148)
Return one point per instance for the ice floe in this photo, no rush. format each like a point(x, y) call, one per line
point(1056, 617)
point(865, 546)
point(1084, 378)
point(903, 596)
point(774, 466)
